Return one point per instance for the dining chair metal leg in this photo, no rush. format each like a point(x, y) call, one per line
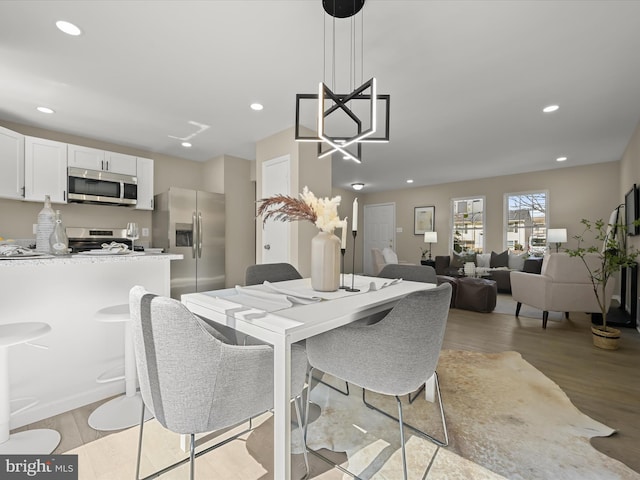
point(306, 426)
point(302, 428)
point(192, 453)
point(420, 390)
point(140, 443)
point(404, 453)
point(344, 392)
point(438, 442)
point(192, 457)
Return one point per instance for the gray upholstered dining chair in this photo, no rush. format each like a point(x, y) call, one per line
point(192, 381)
point(395, 356)
point(272, 272)
point(413, 273)
point(278, 272)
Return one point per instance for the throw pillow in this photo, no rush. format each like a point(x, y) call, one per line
point(389, 255)
point(459, 259)
point(483, 260)
point(516, 262)
point(456, 260)
point(499, 259)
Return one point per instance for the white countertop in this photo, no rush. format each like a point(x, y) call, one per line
point(86, 259)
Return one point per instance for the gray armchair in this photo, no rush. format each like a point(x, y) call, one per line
point(183, 360)
point(395, 356)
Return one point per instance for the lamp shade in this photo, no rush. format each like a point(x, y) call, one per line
point(556, 235)
point(430, 237)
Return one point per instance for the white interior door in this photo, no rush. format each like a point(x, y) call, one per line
point(275, 234)
point(379, 231)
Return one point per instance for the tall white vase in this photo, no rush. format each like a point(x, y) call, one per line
point(325, 262)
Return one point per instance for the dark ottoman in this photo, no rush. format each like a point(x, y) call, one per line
point(454, 287)
point(476, 294)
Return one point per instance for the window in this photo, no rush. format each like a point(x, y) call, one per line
point(526, 222)
point(468, 224)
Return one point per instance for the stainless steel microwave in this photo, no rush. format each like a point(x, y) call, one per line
point(94, 186)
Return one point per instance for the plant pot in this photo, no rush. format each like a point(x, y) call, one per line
point(605, 339)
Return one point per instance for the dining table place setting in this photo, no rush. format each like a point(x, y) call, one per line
point(111, 248)
point(12, 251)
point(275, 296)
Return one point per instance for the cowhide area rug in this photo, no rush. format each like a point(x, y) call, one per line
point(502, 414)
point(505, 420)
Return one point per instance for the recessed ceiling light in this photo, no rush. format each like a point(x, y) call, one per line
point(550, 108)
point(410, 181)
point(45, 110)
point(561, 159)
point(256, 106)
point(68, 28)
point(357, 186)
point(186, 144)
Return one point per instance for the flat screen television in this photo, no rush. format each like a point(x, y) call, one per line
point(631, 211)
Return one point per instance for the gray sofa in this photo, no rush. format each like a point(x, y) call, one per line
point(497, 265)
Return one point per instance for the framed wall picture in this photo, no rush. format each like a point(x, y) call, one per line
point(423, 219)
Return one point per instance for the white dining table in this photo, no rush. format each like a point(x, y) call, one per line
point(283, 322)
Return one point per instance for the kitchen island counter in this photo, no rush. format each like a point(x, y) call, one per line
point(79, 258)
point(66, 292)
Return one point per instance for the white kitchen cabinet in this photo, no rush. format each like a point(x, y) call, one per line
point(11, 164)
point(101, 160)
point(120, 163)
point(145, 184)
point(45, 170)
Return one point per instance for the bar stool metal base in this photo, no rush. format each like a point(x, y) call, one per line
point(31, 442)
point(118, 413)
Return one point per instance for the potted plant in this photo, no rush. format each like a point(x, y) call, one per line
point(423, 256)
point(613, 255)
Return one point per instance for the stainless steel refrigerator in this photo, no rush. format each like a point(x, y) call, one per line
point(192, 223)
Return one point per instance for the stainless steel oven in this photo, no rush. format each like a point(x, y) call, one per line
point(93, 186)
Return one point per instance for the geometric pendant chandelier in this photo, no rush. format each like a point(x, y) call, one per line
point(345, 121)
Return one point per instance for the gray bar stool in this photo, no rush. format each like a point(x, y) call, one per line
point(30, 442)
point(123, 411)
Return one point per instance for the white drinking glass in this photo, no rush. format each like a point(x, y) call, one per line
point(132, 233)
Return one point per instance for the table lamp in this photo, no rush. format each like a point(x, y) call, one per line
point(557, 236)
point(430, 237)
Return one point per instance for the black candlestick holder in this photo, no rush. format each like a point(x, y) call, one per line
point(342, 285)
point(353, 267)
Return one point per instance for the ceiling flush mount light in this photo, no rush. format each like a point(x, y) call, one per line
point(344, 120)
point(68, 28)
point(561, 159)
point(186, 144)
point(357, 186)
point(45, 110)
point(410, 181)
point(550, 108)
point(256, 106)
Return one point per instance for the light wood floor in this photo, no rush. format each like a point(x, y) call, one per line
point(603, 384)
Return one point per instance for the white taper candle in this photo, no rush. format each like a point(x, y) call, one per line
point(354, 217)
point(343, 241)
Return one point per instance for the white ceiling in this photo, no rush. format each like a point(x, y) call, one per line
point(467, 79)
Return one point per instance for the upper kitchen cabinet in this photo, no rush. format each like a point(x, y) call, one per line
point(45, 170)
point(12, 164)
point(145, 184)
point(101, 160)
